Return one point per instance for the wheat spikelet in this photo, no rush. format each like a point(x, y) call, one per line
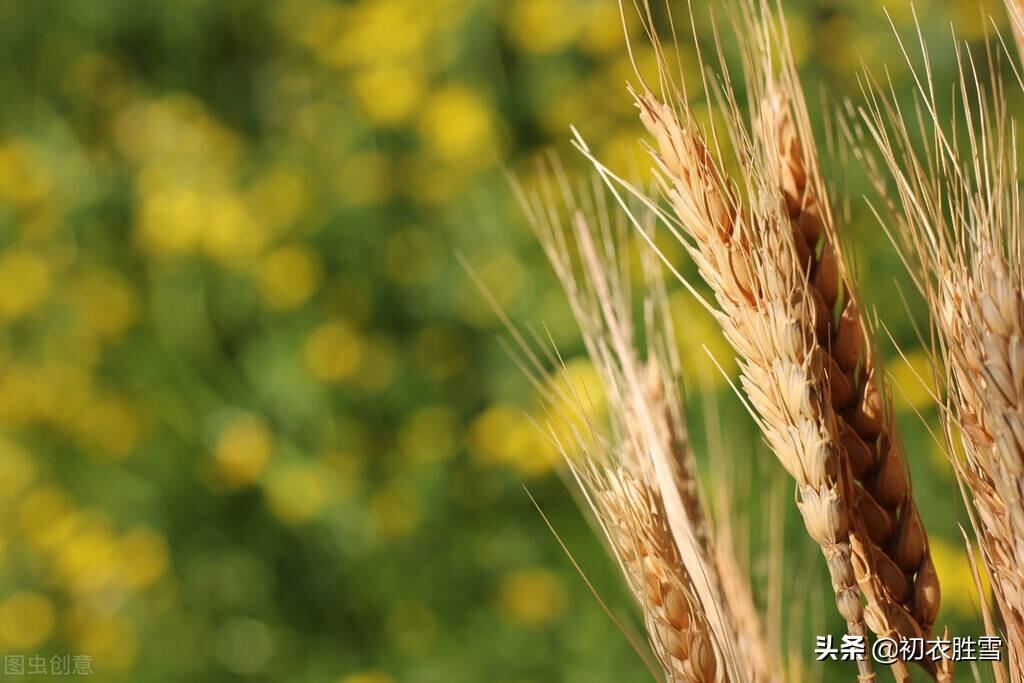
point(637, 530)
point(641, 480)
point(883, 499)
point(958, 224)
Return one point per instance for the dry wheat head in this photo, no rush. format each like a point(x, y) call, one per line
point(957, 221)
point(640, 478)
point(777, 274)
point(882, 496)
point(638, 533)
point(768, 314)
point(981, 315)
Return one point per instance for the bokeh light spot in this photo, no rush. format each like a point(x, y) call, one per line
point(26, 620)
point(532, 597)
point(242, 450)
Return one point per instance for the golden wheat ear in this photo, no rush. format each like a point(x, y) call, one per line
point(898, 577)
point(956, 218)
point(769, 316)
point(893, 561)
point(639, 474)
point(765, 244)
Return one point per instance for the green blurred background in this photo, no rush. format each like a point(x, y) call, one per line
point(255, 421)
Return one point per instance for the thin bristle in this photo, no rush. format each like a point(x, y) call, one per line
point(1015, 8)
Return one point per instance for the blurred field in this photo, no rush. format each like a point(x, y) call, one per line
point(255, 421)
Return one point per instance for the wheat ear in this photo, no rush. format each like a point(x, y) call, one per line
point(908, 595)
point(768, 315)
point(760, 264)
point(634, 520)
point(895, 570)
point(982, 322)
point(640, 480)
point(959, 228)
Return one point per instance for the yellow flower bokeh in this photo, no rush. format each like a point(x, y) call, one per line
point(913, 381)
point(17, 470)
point(503, 435)
point(243, 449)
point(959, 589)
point(110, 427)
point(280, 196)
point(107, 302)
point(544, 26)
point(389, 94)
point(457, 125)
point(532, 597)
point(86, 561)
point(144, 557)
point(25, 282)
point(171, 220)
point(22, 180)
point(26, 620)
point(111, 640)
point(288, 277)
point(43, 516)
point(706, 355)
point(333, 352)
point(297, 492)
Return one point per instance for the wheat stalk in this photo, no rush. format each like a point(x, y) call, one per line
point(959, 226)
point(641, 482)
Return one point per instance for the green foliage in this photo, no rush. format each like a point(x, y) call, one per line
point(256, 423)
